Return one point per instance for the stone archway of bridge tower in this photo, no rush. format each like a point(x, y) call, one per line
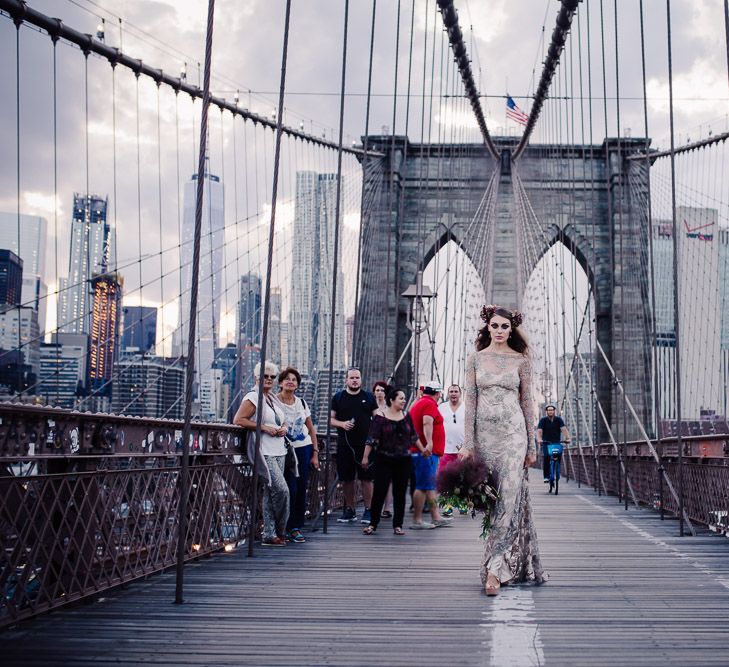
point(425, 190)
point(455, 311)
point(585, 197)
point(561, 281)
point(438, 240)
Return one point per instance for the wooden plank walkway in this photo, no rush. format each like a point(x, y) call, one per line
point(624, 590)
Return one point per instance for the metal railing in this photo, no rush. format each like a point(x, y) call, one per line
point(91, 501)
point(704, 473)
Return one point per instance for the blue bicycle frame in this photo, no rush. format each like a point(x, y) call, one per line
point(554, 452)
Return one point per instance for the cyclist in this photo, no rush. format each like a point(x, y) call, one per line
point(550, 429)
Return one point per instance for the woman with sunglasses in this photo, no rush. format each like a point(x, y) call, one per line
point(499, 425)
point(273, 448)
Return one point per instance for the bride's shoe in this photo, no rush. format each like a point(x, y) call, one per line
point(493, 585)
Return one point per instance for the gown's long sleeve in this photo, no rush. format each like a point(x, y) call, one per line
point(527, 402)
point(471, 400)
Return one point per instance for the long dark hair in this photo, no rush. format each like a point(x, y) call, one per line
point(516, 340)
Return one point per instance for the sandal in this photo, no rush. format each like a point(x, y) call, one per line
point(398, 531)
point(369, 530)
point(492, 585)
point(386, 514)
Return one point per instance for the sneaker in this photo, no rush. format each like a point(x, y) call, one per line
point(348, 516)
point(443, 523)
point(296, 536)
point(273, 542)
point(422, 525)
point(365, 517)
point(546, 480)
point(448, 512)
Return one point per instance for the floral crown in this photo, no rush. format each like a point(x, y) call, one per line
point(487, 312)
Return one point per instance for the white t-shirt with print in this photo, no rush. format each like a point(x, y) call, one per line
point(296, 416)
point(454, 428)
point(270, 445)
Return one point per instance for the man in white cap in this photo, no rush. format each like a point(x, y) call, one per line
point(426, 453)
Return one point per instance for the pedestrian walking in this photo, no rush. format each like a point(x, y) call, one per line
point(273, 448)
point(453, 412)
point(351, 414)
point(390, 438)
point(302, 435)
point(425, 455)
point(379, 391)
point(499, 432)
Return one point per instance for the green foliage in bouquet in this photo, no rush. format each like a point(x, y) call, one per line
point(469, 484)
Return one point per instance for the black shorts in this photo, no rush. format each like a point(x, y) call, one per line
point(349, 459)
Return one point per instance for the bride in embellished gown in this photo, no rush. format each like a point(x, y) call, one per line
point(499, 429)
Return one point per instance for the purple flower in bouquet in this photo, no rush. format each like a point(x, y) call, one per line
point(469, 483)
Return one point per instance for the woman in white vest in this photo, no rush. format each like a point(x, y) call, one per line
point(273, 448)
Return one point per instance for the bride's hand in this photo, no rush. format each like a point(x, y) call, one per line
point(465, 454)
point(530, 459)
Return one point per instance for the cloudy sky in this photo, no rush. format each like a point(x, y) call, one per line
point(506, 41)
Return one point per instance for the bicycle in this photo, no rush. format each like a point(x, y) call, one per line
point(554, 452)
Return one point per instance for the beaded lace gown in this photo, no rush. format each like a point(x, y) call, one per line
point(499, 429)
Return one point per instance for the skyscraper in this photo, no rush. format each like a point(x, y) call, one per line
point(211, 271)
point(63, 369)
point(32, 250)
point(148, 386)
point(249, 310)
point(11, 278)
point(703, 258)
point(139, 330)
point(273, 346)
point(107, 292)
point(91, 253)
point(310, 308)
point(20, 346)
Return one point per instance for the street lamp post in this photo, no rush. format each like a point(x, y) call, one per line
point(417, 294)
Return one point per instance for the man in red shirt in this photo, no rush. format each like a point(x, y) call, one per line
point(426, 453)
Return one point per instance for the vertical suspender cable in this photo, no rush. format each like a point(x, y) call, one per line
point(356, 332)
point(269, 271)
point(335, 262)
point(654, 327)
point(676, 304)
point(190, 371)
point(55, 212)
point(159, 201)
point(20, 364)
point(726, 31)
point(620, 185)
point(611, 231)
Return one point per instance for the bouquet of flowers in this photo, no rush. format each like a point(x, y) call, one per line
point(469, 483)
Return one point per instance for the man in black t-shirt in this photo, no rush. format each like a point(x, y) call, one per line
point(351, 414)
point(550, 429)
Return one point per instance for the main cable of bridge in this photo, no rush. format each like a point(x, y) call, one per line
point(20, 12)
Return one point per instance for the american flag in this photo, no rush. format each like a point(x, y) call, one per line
point(514, 112)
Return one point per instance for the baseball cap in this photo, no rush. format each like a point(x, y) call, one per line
point(432, 388)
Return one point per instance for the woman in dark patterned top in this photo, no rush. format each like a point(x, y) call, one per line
point(391, 436)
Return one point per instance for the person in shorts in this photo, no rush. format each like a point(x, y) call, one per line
point(351, 414)
point(426, 453)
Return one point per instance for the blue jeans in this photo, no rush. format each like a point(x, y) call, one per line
point(298, 486)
